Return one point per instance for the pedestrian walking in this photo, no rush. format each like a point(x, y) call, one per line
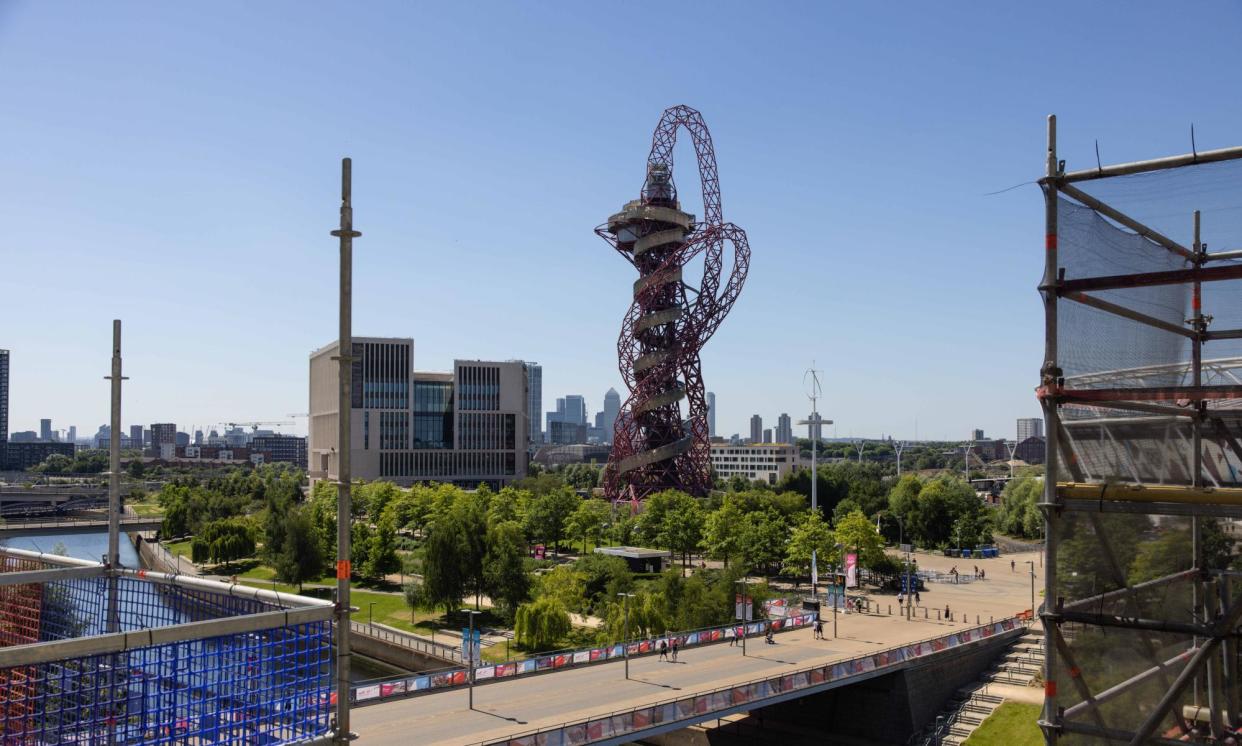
point(819, 629)
point(976, 571)
point(947, 615)
point(1012, 564)
point(675, 649)
point(663, 650)
point(768, 637)
point(901, 599)
point(733, 638)
point(917, 600)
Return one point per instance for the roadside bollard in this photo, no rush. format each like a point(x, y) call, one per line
point(924, 612)
point(937, 615)
point(890, 609)
point(976, 620)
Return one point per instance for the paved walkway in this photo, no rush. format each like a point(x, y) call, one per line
point(522, 704)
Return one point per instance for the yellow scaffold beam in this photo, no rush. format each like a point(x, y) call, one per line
point(1150, 493)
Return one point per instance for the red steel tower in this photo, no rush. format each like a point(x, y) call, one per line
point(655, 445)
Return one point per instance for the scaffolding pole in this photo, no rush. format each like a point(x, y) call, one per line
point(1050, 375)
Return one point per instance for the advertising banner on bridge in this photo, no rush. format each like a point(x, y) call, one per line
point(851, 571)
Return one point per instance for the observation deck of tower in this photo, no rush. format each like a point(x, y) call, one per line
point(655, 447)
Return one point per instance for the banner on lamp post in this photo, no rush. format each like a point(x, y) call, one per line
point(851, 571)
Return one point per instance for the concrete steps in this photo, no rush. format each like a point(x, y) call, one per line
point(971, 705)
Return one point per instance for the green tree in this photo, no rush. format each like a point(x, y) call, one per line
point(300, 557)
point(540, 624)
point(504, 568)
point(382, 558)
point(548, 513)
point(722, 531)
point(603, 577)
point(587, 521)
point(682, 528)
point(565, 584)
point(763, 540)
point(857, 533)
point(444, 571)
point(810, 534)
point(646, 617)
point(413, 595)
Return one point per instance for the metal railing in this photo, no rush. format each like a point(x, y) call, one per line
point(685, 709)
point(412, 642)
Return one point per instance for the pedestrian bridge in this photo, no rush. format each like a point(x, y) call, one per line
point(75, 524)
point(584, 697)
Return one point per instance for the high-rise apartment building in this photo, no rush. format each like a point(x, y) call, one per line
point(288, 449)
point(4, 401)
point(45, 430)
point(767, 435)
point(756, 429)
point(978, 435)
point(1030, 427)
point(534, 395)
point(465, 427)
point(784, 429)
point(711, 414)
point(135, 437)
point(72, 435)
point(163, 440)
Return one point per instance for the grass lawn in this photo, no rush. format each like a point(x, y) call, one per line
point(147, 508)
point(179, 547)
point(1012, 724)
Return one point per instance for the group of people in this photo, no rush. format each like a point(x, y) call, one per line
point(667, 649)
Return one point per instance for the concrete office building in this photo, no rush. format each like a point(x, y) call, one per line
point(1030, 427)
point(22, 456)
point(978, 435)
point(766, 461)
point(711, 414)
point(45, 431)
point(756, 429)
point(135, 437)
point(287, 449)
point(784, 429)
point(72, 435)
point(464, 427)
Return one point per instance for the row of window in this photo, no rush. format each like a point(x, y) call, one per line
point(483, 432)
point(381, 374)
point(433, 396)
point(748, 459)
point(394, 430)
point(450, 464)
point(479, 387)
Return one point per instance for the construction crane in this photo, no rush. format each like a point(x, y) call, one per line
point(254, 426)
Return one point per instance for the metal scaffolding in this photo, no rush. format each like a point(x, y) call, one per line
point(1142, 399)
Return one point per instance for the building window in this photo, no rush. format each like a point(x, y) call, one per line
point(366, 430)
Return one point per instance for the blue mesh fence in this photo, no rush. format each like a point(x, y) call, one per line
point(263, 687)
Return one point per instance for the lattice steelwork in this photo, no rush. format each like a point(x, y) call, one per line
point(1141, 387)
point(192, 661)
point(669, 320)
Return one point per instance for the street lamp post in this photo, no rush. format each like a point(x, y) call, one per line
point(836, 596)
point(371, 614)
point(814, 424)
point(743, 615)
point(470, 652)
point(1032, 564)
point(625, 638)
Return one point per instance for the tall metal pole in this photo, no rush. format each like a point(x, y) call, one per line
point(1050, 374)
point(1196, 372)
point(625, 639)
point(345, 348)
point(114, 508)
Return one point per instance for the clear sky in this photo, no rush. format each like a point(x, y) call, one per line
point(175, 165)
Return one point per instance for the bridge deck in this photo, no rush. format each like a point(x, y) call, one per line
point(520, 705)
point(75, 524)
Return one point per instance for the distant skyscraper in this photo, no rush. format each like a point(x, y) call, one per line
point(1030, 427)
point(767, 435)
point(4, 401)
point(711, 414)
point(198, 441)
point(978, 435)
point(72, 435)
point(612, 407)
point(575, 409)
point(817, 431)
point(534, 393)
point(784, 429)
point(135, 437)
point(756, 429)
point(45, 430)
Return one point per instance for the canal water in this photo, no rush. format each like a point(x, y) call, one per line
point(93, 545)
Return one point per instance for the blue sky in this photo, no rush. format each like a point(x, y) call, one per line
point(175, 165)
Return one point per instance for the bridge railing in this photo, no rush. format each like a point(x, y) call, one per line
point(412, 642)
point(699, 707)
point(370, 692)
